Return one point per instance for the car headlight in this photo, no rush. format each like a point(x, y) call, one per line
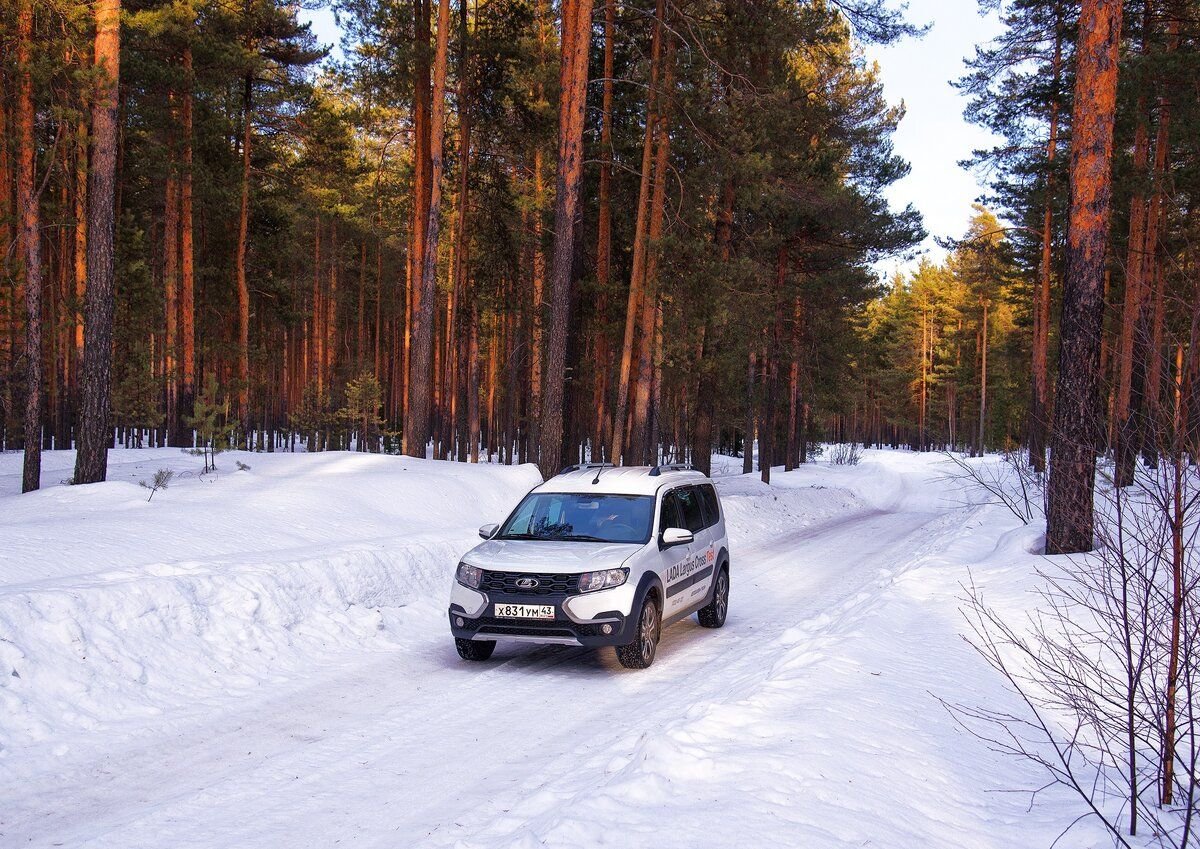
point(469, 576)
point(605, 579)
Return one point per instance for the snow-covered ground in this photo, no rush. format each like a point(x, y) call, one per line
point(260, 658)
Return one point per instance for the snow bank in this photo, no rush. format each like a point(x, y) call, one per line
point(113, 607)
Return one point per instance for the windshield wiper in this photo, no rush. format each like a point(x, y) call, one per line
point(583, 538)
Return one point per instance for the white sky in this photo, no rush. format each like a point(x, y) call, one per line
point(933, 137)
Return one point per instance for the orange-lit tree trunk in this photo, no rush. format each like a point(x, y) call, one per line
point(170, 299)
point(420, 221)
point(420, 376)
point(316, 333)
point(91, 461)
point(573, 75)
point(1077, 408)
point(79, 289)
point(8, 305)
point(243, 287)
point(639, 437)
point(466, 345)
point(330, 316)
point(1148, 333)
point(634, 306)
point(31, 250)
point(187, 263)
point(1135, 283)
point(603, 425)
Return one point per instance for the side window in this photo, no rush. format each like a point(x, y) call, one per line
point(670, 512)
point(712, 512)
point(690, 508)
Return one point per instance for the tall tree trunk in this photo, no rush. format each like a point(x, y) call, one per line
point(748, 435)
point(91, 461)
point(1148, 332)
point(464, 360)
point(706, 384)
point(1040, 401)
point(1135, 282)
point(27, 210)
point(983, 337)
point(187, 264)
point(635, 306)
point(417, 422)
point(316, 360)
point(602, 365)
point(573, 74)
point(243, 287)
point(79, 290)
point(421, 392)
point(639, 437)
point(770, 424)
point(170, 300)
point(8, 294)
point(1077, 407)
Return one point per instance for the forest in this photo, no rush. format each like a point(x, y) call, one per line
point(640, 231)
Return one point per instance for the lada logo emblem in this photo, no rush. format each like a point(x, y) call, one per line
point(527, 583)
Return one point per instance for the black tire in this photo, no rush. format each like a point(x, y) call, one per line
point(713, 614)
point(639, 654)
point(474, 649)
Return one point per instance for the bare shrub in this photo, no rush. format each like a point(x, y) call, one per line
point(845, 454)
point(1015, 483)
point(1105, 665)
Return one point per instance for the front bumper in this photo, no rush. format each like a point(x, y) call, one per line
point(603, 628)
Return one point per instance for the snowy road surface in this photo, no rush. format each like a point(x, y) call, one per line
point(812, 719)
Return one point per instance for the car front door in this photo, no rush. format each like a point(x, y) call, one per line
point(690, 578)
point(673, 561)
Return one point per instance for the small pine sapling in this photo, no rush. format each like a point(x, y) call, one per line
point(207, 422)
point(161, 480)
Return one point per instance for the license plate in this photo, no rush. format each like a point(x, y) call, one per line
point(525, 611)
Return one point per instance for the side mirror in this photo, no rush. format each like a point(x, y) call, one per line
point(488, 531)
point(676, 536)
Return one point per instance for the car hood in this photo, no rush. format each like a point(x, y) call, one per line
point(522, 555)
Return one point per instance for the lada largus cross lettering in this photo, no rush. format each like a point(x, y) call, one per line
point(596, 556)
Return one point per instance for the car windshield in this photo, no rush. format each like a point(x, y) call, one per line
point(581, 518)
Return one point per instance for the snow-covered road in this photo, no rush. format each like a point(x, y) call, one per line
point(811, 719)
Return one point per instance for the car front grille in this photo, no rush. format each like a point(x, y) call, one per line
point(547, 583)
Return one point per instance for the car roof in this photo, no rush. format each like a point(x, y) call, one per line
point(620, 480)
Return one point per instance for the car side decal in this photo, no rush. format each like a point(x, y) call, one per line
point(690, 581)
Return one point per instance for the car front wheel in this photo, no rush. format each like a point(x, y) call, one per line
point(639, 654)
point(474, 649)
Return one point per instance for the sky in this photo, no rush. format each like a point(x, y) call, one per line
point(933, 136)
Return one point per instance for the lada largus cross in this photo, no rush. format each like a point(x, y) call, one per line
point(596, 556)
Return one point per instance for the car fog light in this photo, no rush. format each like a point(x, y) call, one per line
point(607, 629)
point(459, 621)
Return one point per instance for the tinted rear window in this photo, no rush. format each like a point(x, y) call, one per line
point(689, 506)
point(711, 509)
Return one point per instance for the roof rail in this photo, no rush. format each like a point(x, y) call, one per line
point(581, 466)
point(671, 467)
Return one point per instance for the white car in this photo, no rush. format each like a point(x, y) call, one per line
point(596, 556)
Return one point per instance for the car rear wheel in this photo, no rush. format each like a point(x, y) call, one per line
point(474, 649)
point(639, 654)
point(713, 614)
